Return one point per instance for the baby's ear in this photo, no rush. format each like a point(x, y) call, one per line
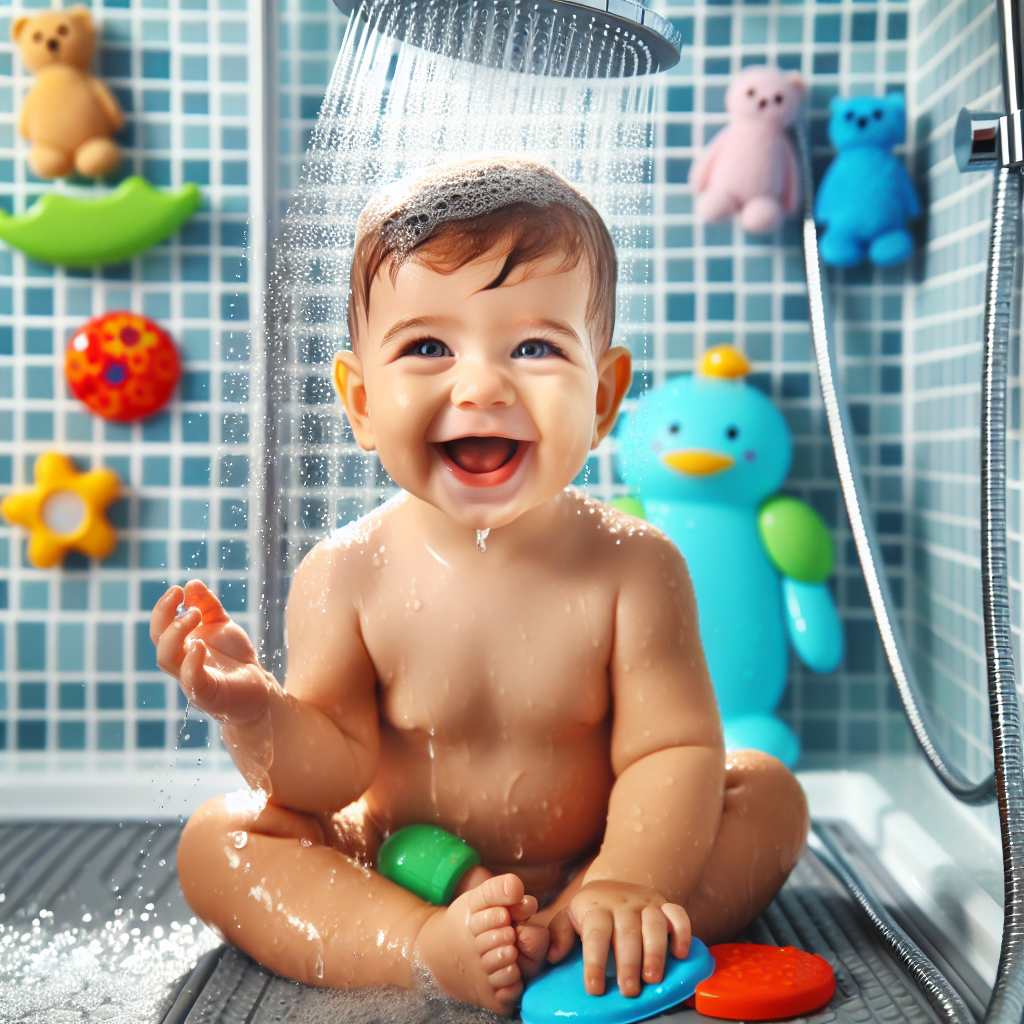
point(18, 26)
point(614, 375)
point(348, 379)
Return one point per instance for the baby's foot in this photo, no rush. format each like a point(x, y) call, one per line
point(470, 946)
point(532, 941)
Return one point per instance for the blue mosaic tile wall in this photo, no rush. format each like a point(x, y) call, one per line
point(957, 51)
point(79, 686)
point(75, 663)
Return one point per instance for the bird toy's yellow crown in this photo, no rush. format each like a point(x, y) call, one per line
point(724, 361)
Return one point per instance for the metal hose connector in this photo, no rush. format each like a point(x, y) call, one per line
point(945, 999)
point(1007, 1004)
point(863, 533)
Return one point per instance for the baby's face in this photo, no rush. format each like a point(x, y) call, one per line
point(482, 402)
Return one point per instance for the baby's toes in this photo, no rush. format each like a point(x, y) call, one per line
point(496, 938)
point(507, 977)
point(496, 960)
point(532, 941)
point(488, 920)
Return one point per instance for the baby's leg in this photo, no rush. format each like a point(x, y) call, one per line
point(762, 834)
point(273, 887)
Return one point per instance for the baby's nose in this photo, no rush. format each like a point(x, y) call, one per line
point(480, 385)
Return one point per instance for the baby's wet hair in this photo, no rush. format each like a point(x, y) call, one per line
point(451, 215)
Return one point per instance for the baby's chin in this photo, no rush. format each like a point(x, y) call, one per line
point(476, 511)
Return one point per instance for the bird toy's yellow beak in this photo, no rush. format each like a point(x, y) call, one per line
point(697, 461)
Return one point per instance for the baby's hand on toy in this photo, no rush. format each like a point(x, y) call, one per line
point(635, 919)
point(211, 655)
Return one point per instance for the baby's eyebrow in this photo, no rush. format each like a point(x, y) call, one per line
point(409, 322)
point(558, 326)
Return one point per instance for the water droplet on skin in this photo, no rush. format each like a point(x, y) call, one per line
point(318, 968)
point(481, 539)
point(416, 605)
point(240, 839)
point(307, 842)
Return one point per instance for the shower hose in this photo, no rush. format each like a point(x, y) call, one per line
point(1006, 784)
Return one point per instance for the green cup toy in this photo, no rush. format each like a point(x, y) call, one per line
point(426, 860)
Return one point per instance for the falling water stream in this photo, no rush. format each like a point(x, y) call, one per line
point(477, 89)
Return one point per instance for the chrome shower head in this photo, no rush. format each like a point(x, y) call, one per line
point(582, 39)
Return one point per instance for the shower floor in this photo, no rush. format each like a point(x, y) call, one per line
point(66, 873)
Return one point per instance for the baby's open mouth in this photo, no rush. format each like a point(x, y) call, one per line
point(481, 454)
point(483, 461)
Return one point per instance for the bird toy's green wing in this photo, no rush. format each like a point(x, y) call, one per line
point(631, 505)
point(796, 539)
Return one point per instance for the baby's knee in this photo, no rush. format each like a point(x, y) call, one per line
point(764, 786)
point(208, 851)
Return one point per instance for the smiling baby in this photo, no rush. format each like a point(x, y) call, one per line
point(546, 699)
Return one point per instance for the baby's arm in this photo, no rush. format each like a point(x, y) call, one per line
point(669, 763)
point(314, 743)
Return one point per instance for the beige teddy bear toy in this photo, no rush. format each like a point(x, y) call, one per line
point(70, 114)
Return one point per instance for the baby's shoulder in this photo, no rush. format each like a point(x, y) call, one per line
point(348, 554)
point(631, 545)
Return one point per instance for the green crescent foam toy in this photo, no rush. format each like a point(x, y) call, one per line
point(73, 232)
point(426, 860)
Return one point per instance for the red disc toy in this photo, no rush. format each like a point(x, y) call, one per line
point(764, 983)
point(122, 366)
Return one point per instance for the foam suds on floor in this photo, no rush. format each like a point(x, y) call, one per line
point(93, 972)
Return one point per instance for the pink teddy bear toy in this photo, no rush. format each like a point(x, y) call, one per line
point(750, 167)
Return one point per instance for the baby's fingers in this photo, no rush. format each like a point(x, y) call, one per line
point(196, 679)
point(170, 648)
point(596, 933)
point(628, 951)
point(679, 927)
point(164, 613)
point(654, 926)
point(563, 936)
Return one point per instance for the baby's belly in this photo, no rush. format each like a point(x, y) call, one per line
point(534, 807)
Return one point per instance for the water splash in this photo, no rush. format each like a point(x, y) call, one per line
point(481, 539)
point(102, 973)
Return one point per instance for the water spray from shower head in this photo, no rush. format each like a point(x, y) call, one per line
point(584, 39)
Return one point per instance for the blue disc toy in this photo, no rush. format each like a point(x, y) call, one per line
point(558, 996)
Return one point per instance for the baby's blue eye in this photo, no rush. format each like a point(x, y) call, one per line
point(532, 350)
point(429, 347)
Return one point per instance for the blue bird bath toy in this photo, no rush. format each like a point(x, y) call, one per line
point(558, 995)
point(704, 454)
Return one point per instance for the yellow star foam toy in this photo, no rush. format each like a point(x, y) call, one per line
point(64, 511)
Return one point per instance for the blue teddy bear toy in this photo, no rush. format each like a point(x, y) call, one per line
point(866, 196)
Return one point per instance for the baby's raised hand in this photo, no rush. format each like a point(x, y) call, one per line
point(635, 919)
point(210, 655)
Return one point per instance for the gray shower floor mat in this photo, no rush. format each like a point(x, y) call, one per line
point(62, 874)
